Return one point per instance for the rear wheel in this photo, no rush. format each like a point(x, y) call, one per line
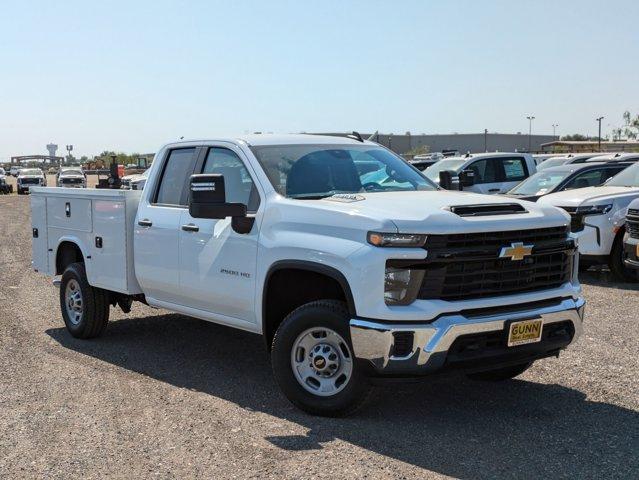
point(313, 361)
point(500, 374)
point(85, 309)
point(616, 264)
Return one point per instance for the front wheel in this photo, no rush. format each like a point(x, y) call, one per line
point(313, 361)
point(85, 309)
point(617, 265)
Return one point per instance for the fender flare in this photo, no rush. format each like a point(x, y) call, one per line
point(315, 267)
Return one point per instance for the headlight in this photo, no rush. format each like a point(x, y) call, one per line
point(401, 285)
point(396, 239)
point(595, 209)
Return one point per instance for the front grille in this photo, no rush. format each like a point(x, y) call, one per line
point(73, 181)
point(30, 181)
point(632, 222)
point(468, 266)
point(576, 219)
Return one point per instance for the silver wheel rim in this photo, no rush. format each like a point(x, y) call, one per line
point(322, 361)
point(73, 301)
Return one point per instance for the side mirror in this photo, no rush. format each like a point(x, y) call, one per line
point(449, 180)
point(467, 178)
point(207, 199)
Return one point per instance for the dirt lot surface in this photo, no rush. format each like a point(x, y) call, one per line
point(166, 396)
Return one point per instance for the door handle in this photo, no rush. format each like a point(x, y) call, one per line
point(145, 222)
point(494, 190)
point(190, 227)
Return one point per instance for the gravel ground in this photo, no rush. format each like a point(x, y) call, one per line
point(166, 396)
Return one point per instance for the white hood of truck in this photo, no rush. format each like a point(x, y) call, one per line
point(587, 196)
point(428, 212)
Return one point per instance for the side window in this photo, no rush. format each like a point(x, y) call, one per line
point(175, 177)
point(237, 182)
point(608, 173)
point(514, 169)
point(486, 170)
point(591, 178)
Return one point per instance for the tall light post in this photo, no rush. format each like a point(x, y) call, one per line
point(530, 119)
point(599, 119)
point(485, 139)
point(554, 127)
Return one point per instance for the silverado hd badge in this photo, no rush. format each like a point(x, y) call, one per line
point(516, 251)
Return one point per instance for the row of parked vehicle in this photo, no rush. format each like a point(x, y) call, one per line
point(595, 189)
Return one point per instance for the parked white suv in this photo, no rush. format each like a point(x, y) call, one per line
point(598, 216)
point(491, 173)
point(345, 258)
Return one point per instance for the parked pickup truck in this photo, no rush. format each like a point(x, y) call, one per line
point(599, 216)
point(489, 172)
point(346, 280)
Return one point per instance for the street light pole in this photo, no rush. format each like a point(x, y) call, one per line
point(530, 119)
point(554, 126)
point(485, 139)
point(599, 119)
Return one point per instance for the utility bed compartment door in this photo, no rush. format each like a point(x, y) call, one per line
point(109, 245)
point(39, 253)
point(69, 213)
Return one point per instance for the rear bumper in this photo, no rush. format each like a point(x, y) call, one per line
point(426, 347)
point(631, 252)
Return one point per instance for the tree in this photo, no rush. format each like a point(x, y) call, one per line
point(420, 150)
point(578, 137)
point(631, 128)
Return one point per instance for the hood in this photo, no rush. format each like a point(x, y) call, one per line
point(133, 177)
point(75, 175)
point(589, 196)
point(429, 212)
point(30, 176)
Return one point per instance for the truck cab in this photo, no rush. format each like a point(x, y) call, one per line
point(492, 173)
point(349, 262)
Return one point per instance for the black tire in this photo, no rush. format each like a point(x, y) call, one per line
point(330, 314)
point(95, 304)
point(500, 374)
point(616, 264)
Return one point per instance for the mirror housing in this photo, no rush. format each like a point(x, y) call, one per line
point(207, 199)
point(467, 178)
point(449, 180)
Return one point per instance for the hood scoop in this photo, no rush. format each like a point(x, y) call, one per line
point(488, 210)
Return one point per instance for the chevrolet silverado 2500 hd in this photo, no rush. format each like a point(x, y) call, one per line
point(345, 278)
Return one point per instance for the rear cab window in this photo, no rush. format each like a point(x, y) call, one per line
point(172, 189)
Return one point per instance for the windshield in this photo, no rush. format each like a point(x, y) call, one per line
point(453, 164)
point(552, 162)
point(540, 183)
point(627, 178)
point(30, 171)
point(317, 171)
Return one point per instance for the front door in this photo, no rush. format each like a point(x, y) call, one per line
point(218, 265)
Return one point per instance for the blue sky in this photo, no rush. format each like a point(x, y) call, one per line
point(132, 75)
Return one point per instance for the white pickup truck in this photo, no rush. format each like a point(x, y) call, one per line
point(348, 279)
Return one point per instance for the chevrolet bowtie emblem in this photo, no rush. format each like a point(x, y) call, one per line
point(516, 251)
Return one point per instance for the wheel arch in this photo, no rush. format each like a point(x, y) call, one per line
point(69, 250)
point(328, 282)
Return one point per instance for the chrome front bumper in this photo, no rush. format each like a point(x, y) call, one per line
point(374, 341)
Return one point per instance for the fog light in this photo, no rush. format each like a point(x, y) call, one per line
point(401, 285)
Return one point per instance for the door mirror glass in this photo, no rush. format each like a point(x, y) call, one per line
point(207, 198)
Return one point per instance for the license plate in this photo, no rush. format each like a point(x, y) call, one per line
point(526, 331)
